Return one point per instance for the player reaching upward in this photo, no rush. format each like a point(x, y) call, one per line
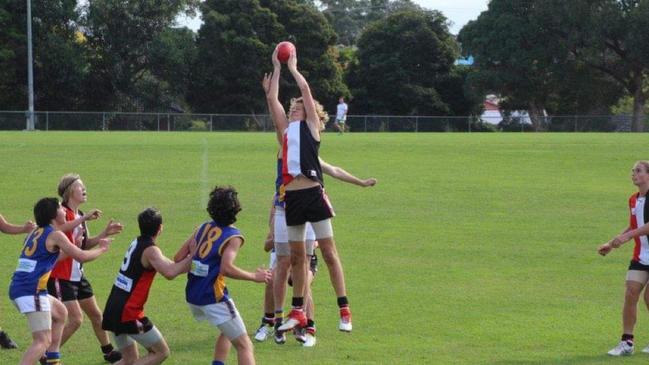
point(304, 198)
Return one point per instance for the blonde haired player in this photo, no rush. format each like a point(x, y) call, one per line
point(304, 196)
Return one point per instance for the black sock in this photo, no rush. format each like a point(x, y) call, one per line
point(628, 338)
point(342, 302)
point(297, 302)
point(269, 318)
point(107, 349)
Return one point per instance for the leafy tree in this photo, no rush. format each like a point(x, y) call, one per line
point(59, 67)
point(173, 53)
point(402, 60)
point(520, 60)
point(235, 45)
point(348, 17)
point(315, 39)
point(514, 59)
point(608, 35)
point(13, 55)
point(120, 36)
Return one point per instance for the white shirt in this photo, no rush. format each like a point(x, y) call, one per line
point(341, 111)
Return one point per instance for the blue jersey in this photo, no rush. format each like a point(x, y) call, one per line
point(205, 283)
point(279, 186)
point(34, 265)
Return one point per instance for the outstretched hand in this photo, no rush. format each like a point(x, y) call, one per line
point(604, 249)
point(369, 182)
point(92, 215)
point(265, 83)
point(28, 226)
point(263, 276)
point(113, 228)
point(104, 243)
point(269, 242)
point(276, 63)
point(292, 61)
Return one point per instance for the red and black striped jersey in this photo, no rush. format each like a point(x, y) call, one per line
point(131, 287)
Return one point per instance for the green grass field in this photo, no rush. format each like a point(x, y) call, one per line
point(472, 248)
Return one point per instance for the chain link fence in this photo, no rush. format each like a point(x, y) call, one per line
point(118, 121)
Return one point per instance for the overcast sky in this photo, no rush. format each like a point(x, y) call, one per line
point(459, 12)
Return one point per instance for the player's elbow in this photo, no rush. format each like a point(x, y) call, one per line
point(168, 276)
point(226, 270)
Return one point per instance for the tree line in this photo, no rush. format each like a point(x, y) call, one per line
point(388, 57)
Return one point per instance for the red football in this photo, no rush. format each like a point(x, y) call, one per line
point(284, 50)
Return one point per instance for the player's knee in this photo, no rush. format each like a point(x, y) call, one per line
point(165, 354)
point(632, 295)
point(297, 259)
point(243, 343)
point(330, 256)
point(283, 263)
point(75, 320)
point(95, 317)
point(59, 314)
point(42, 342)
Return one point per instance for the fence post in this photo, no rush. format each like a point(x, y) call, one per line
point(211, 122)
point(158, 118)
point(468, 119)
point(103, 121)
point(47, 121)
point(366, 124)
point(168, 123)
point(416, 124)
point(576, 118)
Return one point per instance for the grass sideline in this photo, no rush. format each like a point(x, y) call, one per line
point(472, 248)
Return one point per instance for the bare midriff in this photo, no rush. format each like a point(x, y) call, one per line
point(301, 182)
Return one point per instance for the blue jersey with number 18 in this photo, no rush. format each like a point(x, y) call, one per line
point(205, 282)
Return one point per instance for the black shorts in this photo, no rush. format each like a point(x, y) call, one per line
point(307, 205)
point(67, 291)
point(135, 327)
point(635, 265)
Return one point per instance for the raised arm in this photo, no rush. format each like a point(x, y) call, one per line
point(91, 215)
point(342, 175)
point(229, 269)
point(153, 257)
point(6, 227)
point(59, 240)
point(112, 228)
point(271, 89)
point(307, 99)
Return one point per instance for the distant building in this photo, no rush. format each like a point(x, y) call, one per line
point(493, 115)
